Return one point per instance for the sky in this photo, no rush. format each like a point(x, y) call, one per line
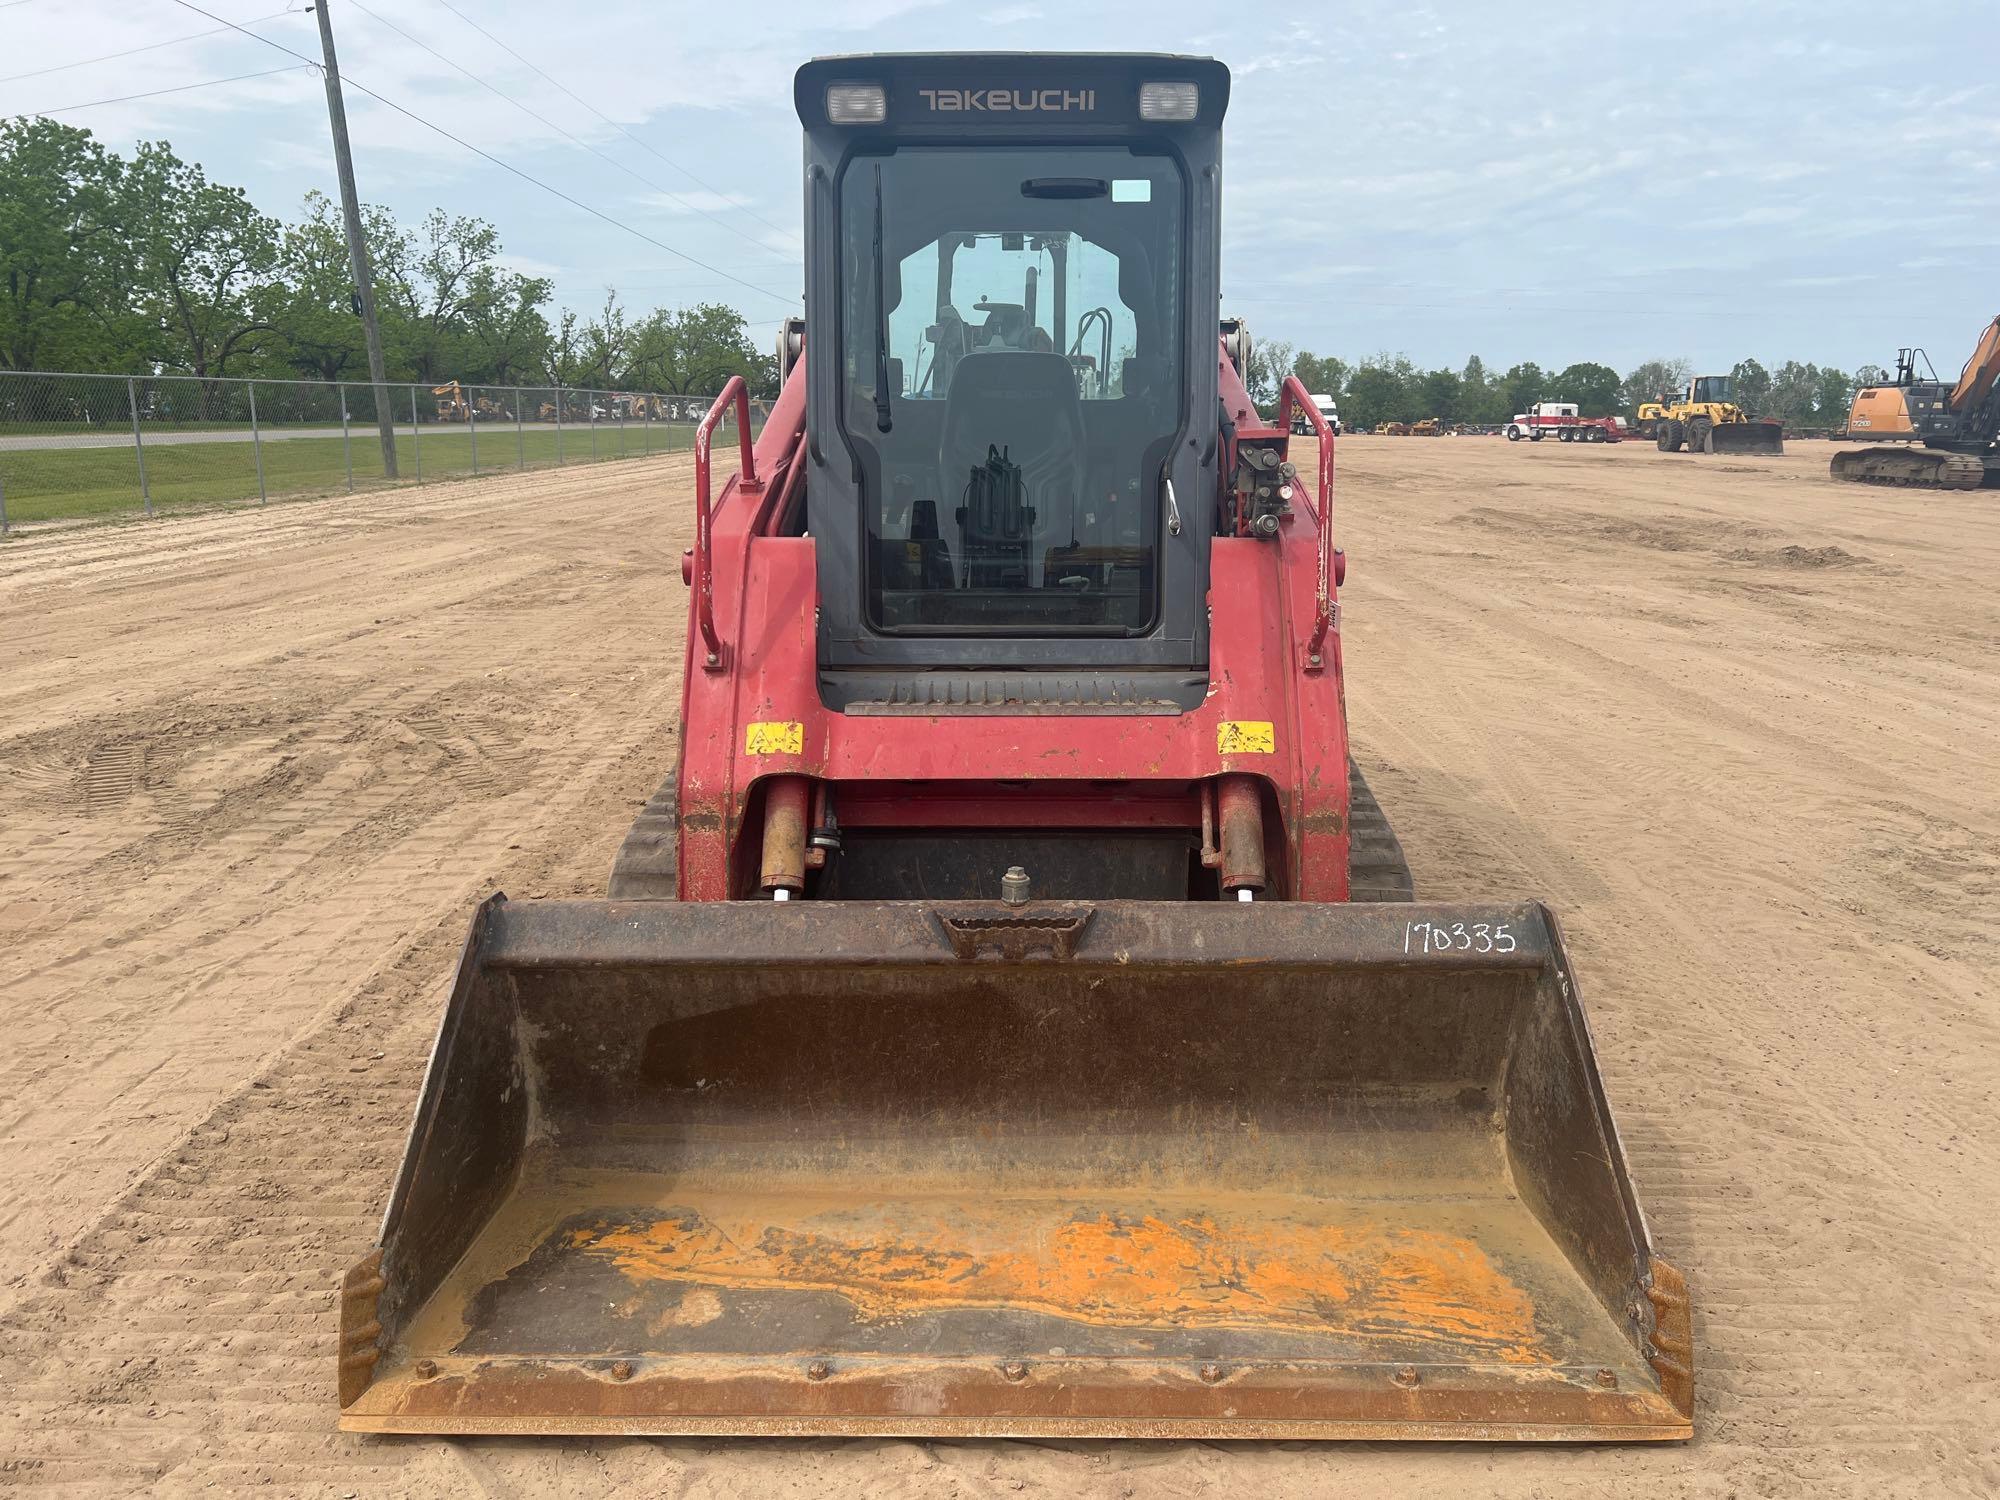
point(1778, 180)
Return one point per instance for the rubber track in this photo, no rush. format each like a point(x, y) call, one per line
point(645, 869)
point(1376, 868)
point(1914, 468)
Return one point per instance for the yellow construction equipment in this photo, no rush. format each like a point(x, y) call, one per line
point(451, 405)
point(1706, 419)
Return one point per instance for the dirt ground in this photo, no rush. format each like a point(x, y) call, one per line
point(1739, 725)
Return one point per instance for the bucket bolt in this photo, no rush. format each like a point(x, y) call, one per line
point(1210, 1373)
point(1014, 1369)
point(622, 1370)
point(1407, 1377)
point(819, 1369)
point(1015, 886)
point(1608, 1378)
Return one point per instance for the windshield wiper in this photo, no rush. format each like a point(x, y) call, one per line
point(883, 421)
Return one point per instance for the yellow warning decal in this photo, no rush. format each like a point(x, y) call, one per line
point(1246, 737)
point(778, 739)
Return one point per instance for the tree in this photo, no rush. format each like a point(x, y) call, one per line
point(1381, 390)
point(1870, 375)
point(1478, 401)
point(1833, 397)
point(1522, 386)
point(425, 287)
point(1270, 363)
point(64, 272)
point(560, 361)
point(1652, 380)
point(312, 300)
point(1325, 376)
point(142, 265)
point(695, 350)
point(1751, 383)
point(507, 334)
point(1437, 395)
point(605, 347)
point(205, 259)
point(1794, 393)
point(1593, 387)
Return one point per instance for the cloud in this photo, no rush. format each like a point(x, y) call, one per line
point(1396, 176)
point(693, 201)
point(527, 265)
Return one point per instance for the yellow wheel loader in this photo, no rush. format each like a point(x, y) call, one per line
point(1706, 419)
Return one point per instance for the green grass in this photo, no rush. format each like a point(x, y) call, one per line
point(119, 427)
point(47, 484)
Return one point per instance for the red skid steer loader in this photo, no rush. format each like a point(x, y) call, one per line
point(1010, 1017)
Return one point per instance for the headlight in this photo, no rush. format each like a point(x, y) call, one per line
point(1169, 101)
point(856, 104)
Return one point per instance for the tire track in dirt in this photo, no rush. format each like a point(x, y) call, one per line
point(1777, 938)
point(264, 816)
point(229, 1251)
point(1683, 823)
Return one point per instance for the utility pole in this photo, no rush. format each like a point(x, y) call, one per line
point(357, 244)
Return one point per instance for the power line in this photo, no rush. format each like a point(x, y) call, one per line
point(642, 145)
point(505, 166)
point(192, 36)
point(311, 62)
point(180, 89)
point(552, 125)
point(559, 193)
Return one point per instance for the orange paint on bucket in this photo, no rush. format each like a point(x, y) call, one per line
point(1118, 1269)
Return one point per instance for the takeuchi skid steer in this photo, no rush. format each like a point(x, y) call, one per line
point(1010, 1017)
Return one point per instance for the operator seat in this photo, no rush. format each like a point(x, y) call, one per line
point(1023, 405)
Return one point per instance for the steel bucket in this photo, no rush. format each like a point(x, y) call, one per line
point(1135, 1169)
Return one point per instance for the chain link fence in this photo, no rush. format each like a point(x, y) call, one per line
point(75, 446)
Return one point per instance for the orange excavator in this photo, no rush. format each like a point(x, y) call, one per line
point(1955, 429)
point(1011, 1016)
